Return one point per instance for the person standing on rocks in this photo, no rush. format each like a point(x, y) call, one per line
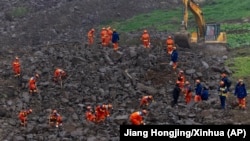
point(170, 45)
point(32, 84)
point(115, 39)
point(55, 119)
point(241, 93)
point(137, 118)
point(23, 116)
point(145, 38)
point(198, 91)
point(110, 33)
point(91, 37)
point(223, 93)
point(104, 36)
point(174, 58)
point(205, 93)
point(16, 67)
point(176, 93)
point(146, 100)
point(188, 92)
point(226, 80)
point(181, 79)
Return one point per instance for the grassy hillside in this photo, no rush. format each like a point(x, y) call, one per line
point(230, 13)
point(226, 12)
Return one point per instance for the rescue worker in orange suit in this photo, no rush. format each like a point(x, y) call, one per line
point(102, 111)
point(241, 93)
point(16, 67)
point(223, 93)
point(137, 118)
point(23, 116)
point(198, 91)
point(187, 92)
point(115, 39)
point(145, 38)
point(59, 74)
point(32, 84)
point(146, 100)
point(55, 119)
point(174, 58)
point(91, 36)
point(104, 35)
point(89, 114)
point(181, 79)
point(110, 33)
point(170, 44)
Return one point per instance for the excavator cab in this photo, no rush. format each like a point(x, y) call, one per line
point(208, 33)
point(214, 35)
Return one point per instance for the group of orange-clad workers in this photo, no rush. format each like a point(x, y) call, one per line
point(59, 74)
point(102, 112)
point(107, 36)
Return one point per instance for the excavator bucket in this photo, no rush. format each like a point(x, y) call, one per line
point(182, 38)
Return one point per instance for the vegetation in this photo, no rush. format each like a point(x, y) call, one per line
point(19, 12)
point(227, 12)
point(214, 11)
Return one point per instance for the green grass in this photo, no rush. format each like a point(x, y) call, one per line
point(160, 20)
point(214, 11)
point(19, 12)
point(220, 11)
point(241, 66)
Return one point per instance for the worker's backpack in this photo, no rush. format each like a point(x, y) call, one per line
point(229, 83)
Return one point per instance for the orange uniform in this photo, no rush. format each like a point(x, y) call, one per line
point(170, 44)
point(23, 116)
point(109, 37)
point(59, 74)
point(16, 67)
point(104, 37)
point(145, 39)
point(102, 111)
point(136, 118)
point(55, 118)
point(187, 92)
point(32, 84)
point(91, 36)
point(146, 100)
point(181, 79)
point(89, 115)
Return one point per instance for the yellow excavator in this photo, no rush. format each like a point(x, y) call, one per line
point(208, 33)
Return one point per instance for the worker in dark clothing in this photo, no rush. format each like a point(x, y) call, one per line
point(174, 58)
point(115, 39)
point(226, 81)
point(222, 89)
point(176, 94)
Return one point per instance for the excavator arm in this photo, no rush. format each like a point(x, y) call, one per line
point(183, 38)
point(205, 33)
point(195, 9)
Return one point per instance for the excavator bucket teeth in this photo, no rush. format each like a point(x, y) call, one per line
point(182, 40)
